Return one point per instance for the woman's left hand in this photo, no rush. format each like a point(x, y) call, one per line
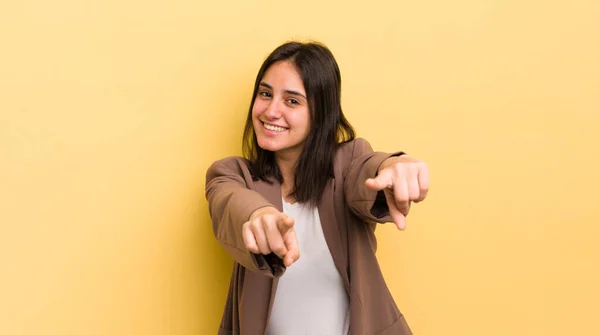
point(403, 179)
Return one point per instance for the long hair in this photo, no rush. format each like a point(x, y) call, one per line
point(329, 128)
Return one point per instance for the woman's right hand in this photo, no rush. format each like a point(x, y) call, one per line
point(270, 230)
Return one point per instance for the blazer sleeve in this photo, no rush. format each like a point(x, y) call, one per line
point(369, 205)
point(231, 200)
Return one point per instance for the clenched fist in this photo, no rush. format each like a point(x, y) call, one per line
point(270, 230)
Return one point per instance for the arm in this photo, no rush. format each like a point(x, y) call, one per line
point(380, 187)
point(364, 163)
point(232, 200)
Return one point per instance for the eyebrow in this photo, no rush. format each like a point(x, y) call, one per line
point(286, 91)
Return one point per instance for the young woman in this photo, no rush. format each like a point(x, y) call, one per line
point(298, 213)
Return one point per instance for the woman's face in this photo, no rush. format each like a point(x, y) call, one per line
point(280, 113)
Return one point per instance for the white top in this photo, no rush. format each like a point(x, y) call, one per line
point(310, 298)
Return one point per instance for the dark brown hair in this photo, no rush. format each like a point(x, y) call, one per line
point(329, 128)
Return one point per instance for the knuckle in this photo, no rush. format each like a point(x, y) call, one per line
point(255, 227)
point(410, 169)
point(256, 222)
point(266, 223)
point(278, 249)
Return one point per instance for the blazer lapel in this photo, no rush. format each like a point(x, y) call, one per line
point(271, 192)
point(333, 232)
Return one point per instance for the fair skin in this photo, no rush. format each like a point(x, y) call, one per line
point(281, 120)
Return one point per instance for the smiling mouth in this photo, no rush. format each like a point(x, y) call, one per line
point(274, 128)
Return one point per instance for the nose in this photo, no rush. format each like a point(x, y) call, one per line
point(273, 111)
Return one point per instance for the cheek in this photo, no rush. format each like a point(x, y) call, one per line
point(304, 120)
point(258, 107)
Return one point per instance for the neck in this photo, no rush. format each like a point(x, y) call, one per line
point(287, 166)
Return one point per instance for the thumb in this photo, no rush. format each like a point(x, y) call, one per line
point(381, 182)
point(284, 222)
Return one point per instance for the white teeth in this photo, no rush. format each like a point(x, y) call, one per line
point(274, 128)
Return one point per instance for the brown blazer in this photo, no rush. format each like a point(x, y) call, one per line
point(349, 213)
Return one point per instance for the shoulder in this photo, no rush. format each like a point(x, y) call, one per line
point(229, 165)
point(351, 149)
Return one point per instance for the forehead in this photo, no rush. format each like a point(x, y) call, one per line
point(283, 75)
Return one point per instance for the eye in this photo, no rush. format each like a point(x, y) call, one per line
point(265, 94)
point(293, 102)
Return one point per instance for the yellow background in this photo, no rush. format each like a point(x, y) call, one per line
point(111, 112)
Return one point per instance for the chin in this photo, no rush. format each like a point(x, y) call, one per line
point(268, 145)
